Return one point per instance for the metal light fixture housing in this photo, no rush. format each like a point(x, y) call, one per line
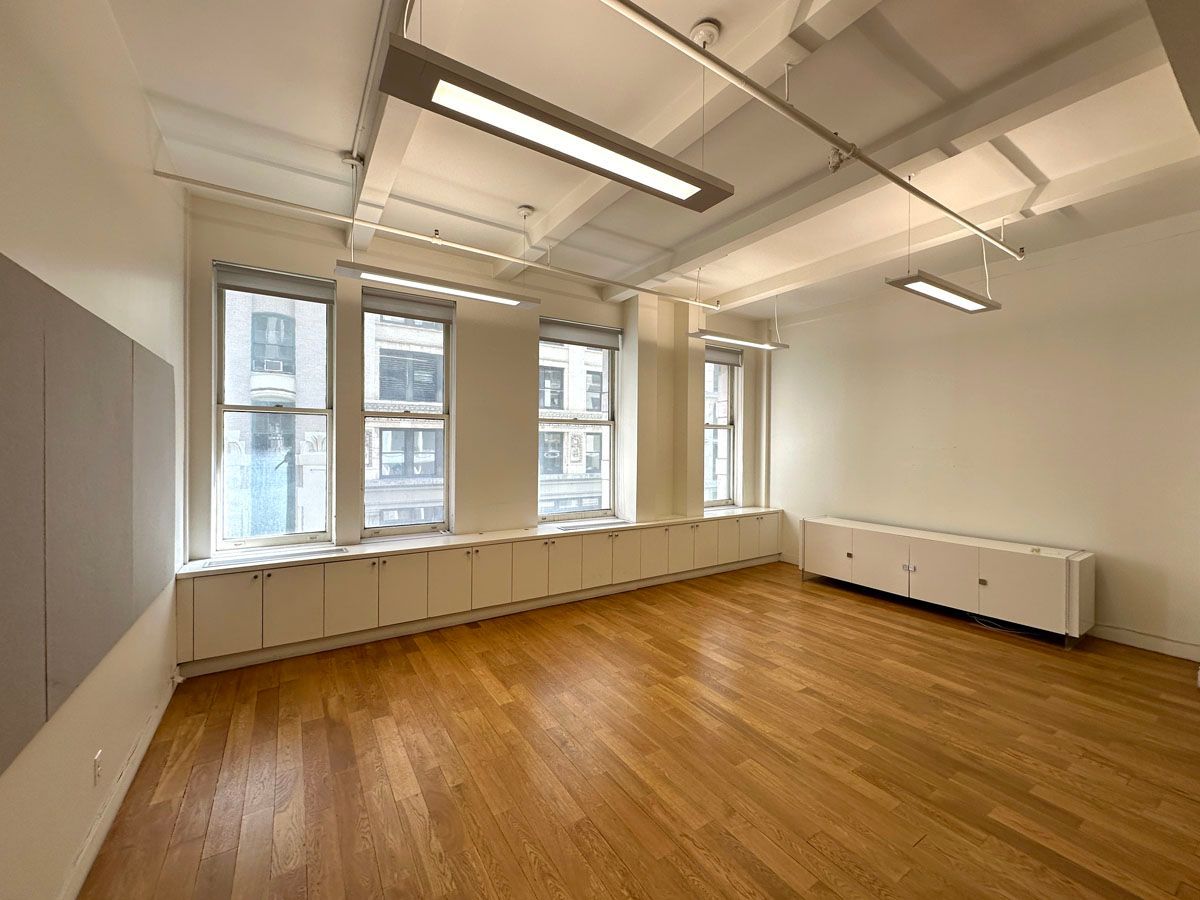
point(425, 78)
point(452, 289)
point(721, 337)
point(938, 289)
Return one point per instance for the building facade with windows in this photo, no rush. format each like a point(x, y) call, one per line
point(575, 429)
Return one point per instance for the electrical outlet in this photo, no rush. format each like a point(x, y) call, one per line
point(97, 767)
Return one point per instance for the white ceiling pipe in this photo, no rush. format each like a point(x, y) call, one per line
point(847, 149)
point(430, 239)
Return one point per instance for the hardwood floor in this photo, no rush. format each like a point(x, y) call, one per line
point(739, 735)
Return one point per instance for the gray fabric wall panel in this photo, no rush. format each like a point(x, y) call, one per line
point(154, 477)
point(89, 490)
point(22, 480)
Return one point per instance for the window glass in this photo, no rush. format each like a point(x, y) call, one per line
point(574, 381)
point(274, 350)
point(550, 394)
point(717, 378)
point(719, 426)
point(274, 474)
point(574, 468)
point(273, 410)
point(717, 457)
point(404, 364)
point(405, 472)
point(575, 458)
point(405, 421)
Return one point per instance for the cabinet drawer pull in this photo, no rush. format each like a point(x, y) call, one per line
point(383, 562)
point(545, 543)
point(983, 582)
point(373, 563)
point(849, 556)
point(255, 576)
point(268, 574)
point(468, 553)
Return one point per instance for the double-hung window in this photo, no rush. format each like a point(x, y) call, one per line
point(273, 407)
point(576, 419)
point(406, 413)
point(721, 368)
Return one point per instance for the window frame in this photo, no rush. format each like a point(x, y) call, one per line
point(731, 428)
point(220, 543)
point(375, 531)
point(610, 423)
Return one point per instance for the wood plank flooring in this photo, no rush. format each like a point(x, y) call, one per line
point(741, 735)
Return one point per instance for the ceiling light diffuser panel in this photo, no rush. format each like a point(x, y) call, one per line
point(932, 287)
point(427, 79)
point(452, 289)
point(720, 337)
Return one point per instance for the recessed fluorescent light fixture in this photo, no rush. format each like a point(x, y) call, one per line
point(420, 76)
point(719, 337)
point(431, 285)
point(931, 287)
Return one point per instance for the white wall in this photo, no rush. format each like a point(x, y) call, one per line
point(494, 414)
point(1070, 418)
point(80, 209)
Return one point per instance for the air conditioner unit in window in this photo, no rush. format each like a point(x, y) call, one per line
point(272, 365)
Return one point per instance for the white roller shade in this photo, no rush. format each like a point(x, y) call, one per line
point(722, 355)
point(264, 281)
point(389, 304)
point(585, 335)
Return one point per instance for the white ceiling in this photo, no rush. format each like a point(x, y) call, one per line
point(1021, 111)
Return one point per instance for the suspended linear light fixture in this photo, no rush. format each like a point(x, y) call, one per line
point(933, 287)
point(381, 275)
point(720, 337)
point(427, 79)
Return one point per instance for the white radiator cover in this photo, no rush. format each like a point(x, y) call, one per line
point(1048, 588)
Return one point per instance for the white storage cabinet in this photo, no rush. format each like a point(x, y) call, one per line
point(1047, 588)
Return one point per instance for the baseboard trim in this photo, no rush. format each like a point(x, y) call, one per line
point(287, 651)
point(108, 813)
point(1144, 641)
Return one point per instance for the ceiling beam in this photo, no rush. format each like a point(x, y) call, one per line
point(819, 21)
point(1096, 181)
point(393, 124)
point(762, 53)
point(1178, 23)
point(1024, 95)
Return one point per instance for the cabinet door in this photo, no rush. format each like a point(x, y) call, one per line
point(944, 573)
point(185, 620)
point(491, 576)
point(828, 550)
point(768, 534)
point(706, 543)
point(729, 540)
point(597, 559)
point(880, 561)
point(1026, 588)
point(403, 588)
point(654, 552)
point(351, 595)
point(748, 537)
point(626, 556)
point(566, 562)
point(449, 581)
point(531, 569)
point(227, 614)
point(293, 604)
point(681, 548)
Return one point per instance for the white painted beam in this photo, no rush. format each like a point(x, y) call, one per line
point(390, 142)
point(762, 54)
point(1096, 181)
point(1022, 96)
